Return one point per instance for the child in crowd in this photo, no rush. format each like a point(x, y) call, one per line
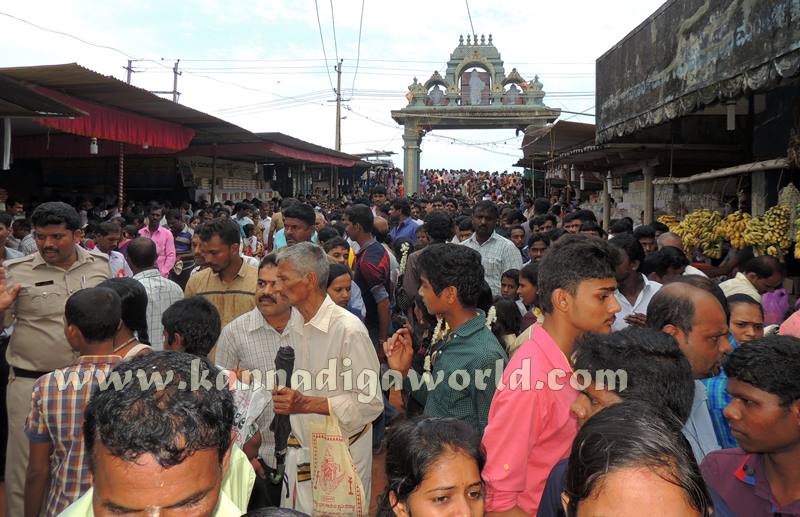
point(338, 249)
point(504, 321)
point(58, 472)
point(509, 289)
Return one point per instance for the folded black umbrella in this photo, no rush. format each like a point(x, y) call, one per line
point(280, 425)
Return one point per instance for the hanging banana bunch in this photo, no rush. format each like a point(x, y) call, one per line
point(732, 229)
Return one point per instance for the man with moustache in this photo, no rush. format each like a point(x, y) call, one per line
point(249, 343)
point(698, 322)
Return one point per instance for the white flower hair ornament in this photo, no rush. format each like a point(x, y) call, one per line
point(491, 317)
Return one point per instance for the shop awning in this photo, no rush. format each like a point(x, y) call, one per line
point(266, 150)
point(18, 100)
point(107, 123)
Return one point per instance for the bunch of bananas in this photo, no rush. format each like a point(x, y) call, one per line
point(732, 228)
point(770, 234)
point(670, 220)
point(699, 231)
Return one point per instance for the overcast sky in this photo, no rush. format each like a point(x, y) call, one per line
point(260, 63)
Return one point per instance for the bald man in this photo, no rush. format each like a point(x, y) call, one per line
point(675, 241)
point(698, 322)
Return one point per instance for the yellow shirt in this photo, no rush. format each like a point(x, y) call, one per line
point(231, 299)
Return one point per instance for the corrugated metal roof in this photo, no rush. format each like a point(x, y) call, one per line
point(74, 79)
point(18, 100)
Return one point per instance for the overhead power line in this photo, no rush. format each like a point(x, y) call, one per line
point(470, 18)
point(358, 53)
point(322, 40)
point(333, 23)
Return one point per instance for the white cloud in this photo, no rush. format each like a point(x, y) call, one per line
point(558, 40)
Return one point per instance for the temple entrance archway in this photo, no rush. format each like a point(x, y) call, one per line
point(475, 93)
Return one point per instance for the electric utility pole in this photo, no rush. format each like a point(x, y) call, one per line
point(339, 106)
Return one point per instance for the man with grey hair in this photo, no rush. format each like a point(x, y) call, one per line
point(327, 338)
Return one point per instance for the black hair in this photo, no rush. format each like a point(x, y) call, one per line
point(270, 259)
point(514, 216)
point(95, 325)
point(621, 226)
point(55, 213)
point(6, 219)
point(741, 298)
point(197, 321)
point(274, 512)
point(659, 227)
point(555, 234)
point(378, 189)
point(226, 229)
point(530, 272)
point(644, 231)
point(485, 297)
point(586, 216)
point(397, 247)
point(507, 321)
point(592, 226)
point(571, 260)
point(335, 271)
point(572, 216)
point(657, 372)
point(540, 205)
point(107, 228)
point(516, 227)
point(630, 245)
point(134, 304)
point(539, 220)
point(446, 265)
point(660, 262)
point(327, 233)
point(302, 212)
point(173, 213)
point(415, 445)
point(336, 242)
point(704, 283)
point(763, 266)
point(511, 273)
point(403, 205)
point(142, 253)
point(536, 237)
point(439, 226)
point(486, 205)
point(670, 307)
point(464, 223)
point(360, 215)
point(163, 420)
point(770, 364)
point(632, 435)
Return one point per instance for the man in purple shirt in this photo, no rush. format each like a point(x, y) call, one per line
point(762, 479)
point(402, 224)
point(163, 239)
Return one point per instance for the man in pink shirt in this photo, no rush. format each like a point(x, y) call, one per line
point(530, 426)
point(163, 239)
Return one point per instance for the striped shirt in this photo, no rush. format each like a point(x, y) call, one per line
point(251, 343)
point(57, 417)
point(161, 294)
point(231, 299)
point(498, 255)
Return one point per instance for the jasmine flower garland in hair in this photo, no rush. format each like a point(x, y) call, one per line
point(404, 256)
point(491, 317)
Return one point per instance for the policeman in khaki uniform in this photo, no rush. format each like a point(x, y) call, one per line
point(33, 292)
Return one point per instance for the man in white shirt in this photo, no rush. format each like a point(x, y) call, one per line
point(106, 239)
point(498, 254)
point(759, 275)
point(250, 343)
point(161, 292)
point(674, 240)
point(634, 290)
point(325, 336)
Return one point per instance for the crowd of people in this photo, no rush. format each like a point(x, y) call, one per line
point(474, 185)
point(508, 358)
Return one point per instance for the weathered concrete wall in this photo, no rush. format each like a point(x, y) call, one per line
point(691, 53)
